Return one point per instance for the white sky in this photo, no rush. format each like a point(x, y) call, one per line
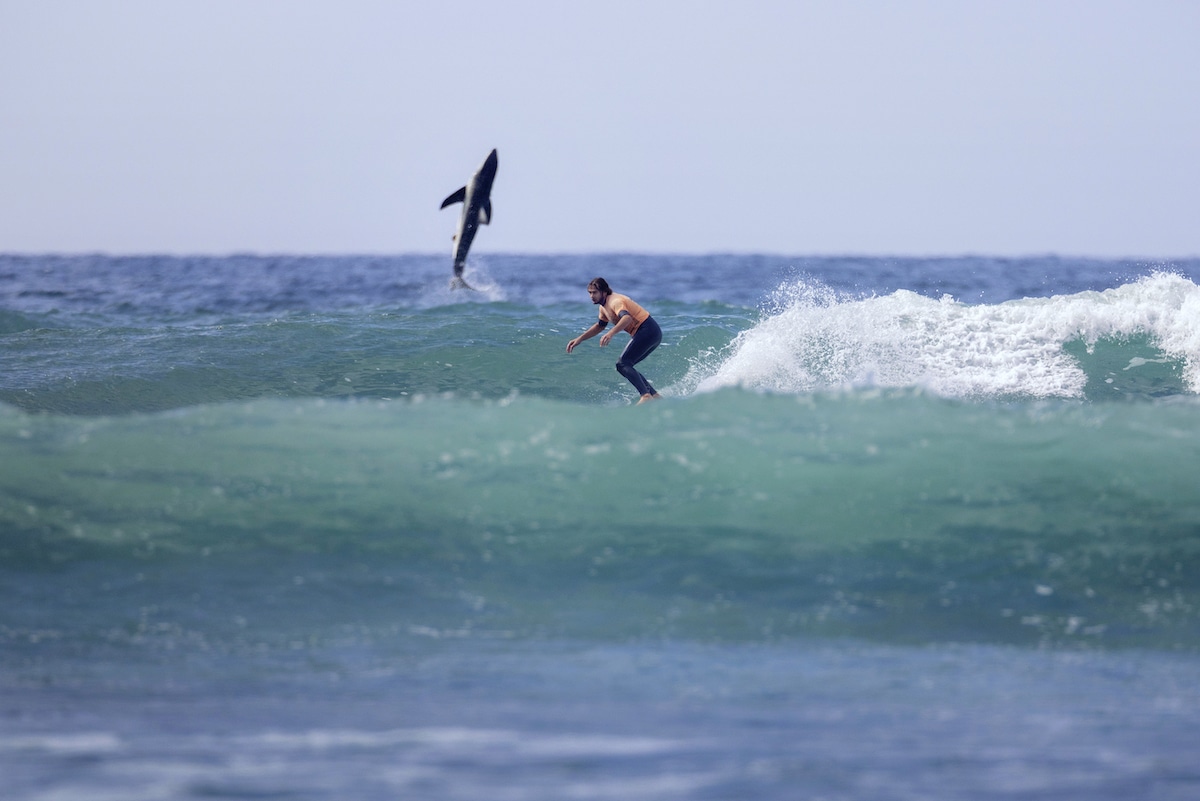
point(1001, 127)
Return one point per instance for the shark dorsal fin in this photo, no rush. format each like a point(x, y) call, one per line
point(457, 196)
point(485, 212)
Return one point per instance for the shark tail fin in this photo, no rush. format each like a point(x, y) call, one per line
point(457, 196)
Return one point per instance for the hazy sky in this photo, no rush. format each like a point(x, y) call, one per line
point(1000, 127)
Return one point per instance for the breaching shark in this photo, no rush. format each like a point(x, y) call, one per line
point(476, 198)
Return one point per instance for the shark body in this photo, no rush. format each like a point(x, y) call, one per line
point(476, 197)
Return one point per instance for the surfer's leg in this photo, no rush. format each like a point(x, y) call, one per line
point(641, 345)
point(637, 379)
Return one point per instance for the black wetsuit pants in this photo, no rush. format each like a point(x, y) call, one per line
point(641, 345)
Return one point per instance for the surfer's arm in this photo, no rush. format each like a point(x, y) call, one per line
point(596, 328)
point(625, 321)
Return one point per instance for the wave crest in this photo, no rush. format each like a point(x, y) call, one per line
point(817, 338)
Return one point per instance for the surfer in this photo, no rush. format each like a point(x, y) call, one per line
point(629, 317)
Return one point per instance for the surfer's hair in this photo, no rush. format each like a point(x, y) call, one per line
point(601, 284)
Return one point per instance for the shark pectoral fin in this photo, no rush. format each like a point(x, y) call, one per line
point(485, 212)
point(457, 196)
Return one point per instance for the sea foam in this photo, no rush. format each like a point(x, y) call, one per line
point(814, 338)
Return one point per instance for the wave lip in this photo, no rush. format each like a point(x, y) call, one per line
point(817, 338)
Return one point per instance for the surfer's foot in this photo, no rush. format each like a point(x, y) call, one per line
point(648, 398)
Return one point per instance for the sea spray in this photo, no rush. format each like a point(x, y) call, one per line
point(814, 338)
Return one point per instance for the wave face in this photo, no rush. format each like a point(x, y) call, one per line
point(891, 514)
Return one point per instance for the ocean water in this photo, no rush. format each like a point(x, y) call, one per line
point(320, 528)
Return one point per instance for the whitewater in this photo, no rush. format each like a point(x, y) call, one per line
point(319, 527)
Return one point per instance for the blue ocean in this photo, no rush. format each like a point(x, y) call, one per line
point(320, 528)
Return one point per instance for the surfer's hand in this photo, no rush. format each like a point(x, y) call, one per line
point(604, 340)
point(571, 345)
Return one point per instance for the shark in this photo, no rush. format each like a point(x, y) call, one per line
point(476, 197)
